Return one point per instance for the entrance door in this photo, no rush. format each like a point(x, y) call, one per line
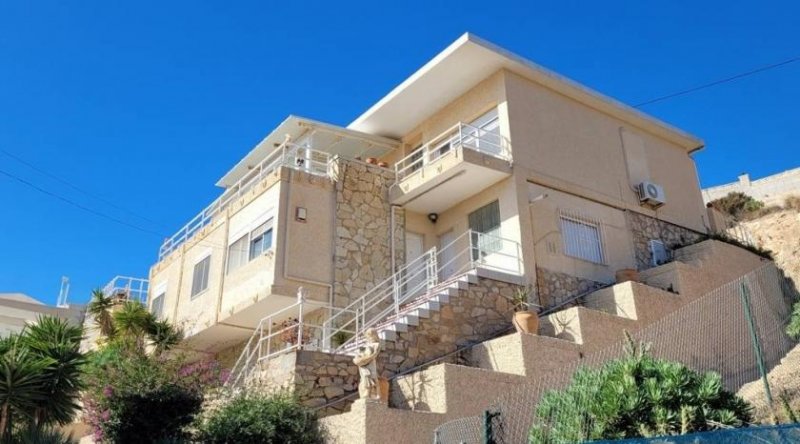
point(416, 274)
point(447, 255)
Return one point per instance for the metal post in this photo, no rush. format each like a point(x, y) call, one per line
point(745, 294)
point(488, 431)
point(301, 297)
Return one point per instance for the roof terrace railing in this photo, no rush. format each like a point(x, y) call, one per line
point(129, 288)
point(289, 155)
point(460, 135)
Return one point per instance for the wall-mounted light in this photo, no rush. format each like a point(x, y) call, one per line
point(433, 217)
point(300, 214)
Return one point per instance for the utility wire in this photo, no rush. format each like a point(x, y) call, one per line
point(77, 188)
point(718, 82)
point(78, 205)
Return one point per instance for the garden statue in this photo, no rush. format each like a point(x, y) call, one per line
point(366, 359)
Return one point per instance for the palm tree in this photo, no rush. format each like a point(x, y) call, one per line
point(132, 323)
point(164, 336)
point(100, 309)
point(23, 382)
point(58, 341)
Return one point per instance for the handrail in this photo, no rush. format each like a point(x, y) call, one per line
point(459, 135)
point(288, 154)
point(423, 275)
point(377, 304)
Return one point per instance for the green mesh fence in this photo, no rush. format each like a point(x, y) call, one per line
point(723, 331)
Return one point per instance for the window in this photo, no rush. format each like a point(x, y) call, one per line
point(157, 308)
point(250, 246)
point(485, 220)
point(260, 239)
point(200, 276)
point(582, 239)
point(484, 133)
point(237, 253)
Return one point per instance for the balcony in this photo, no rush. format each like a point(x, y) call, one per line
point(127, 289)
point(290, 155)
point(455, 165)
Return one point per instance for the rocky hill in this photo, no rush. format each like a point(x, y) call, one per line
point(779, 232)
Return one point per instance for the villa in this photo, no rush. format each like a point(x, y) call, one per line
point(479, 176)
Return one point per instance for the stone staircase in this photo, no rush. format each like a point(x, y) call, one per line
point(423, 399)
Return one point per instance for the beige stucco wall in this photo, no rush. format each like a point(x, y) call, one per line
point(307, 264)
point(556, 138)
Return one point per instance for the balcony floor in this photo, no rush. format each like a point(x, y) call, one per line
point(451, 186)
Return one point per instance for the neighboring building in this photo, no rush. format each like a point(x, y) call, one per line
point(18, 310)
point(772, 190)
point(488, 162)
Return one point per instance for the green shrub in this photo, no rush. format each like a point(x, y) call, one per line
point(637, 396)
point(793, 329)
point(39, 435)
point(737, 204)
point(133, 397)
point(278, 419)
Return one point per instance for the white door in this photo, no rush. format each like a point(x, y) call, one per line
point(416, 273)
point(447, 255)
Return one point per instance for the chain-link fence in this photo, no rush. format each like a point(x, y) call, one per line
point(736, 331)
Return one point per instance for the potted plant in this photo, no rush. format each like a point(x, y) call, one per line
point(524, 319)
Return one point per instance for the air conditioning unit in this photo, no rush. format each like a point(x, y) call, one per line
point(659, 253)
point(651, 194)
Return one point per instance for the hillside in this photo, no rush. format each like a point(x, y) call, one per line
point(779, 232)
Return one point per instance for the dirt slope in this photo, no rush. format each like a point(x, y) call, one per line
point(780, 233)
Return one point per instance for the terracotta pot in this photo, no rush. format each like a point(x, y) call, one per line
point(372, 160)
point(383, 389)
point(627, 274)
point(526, 322)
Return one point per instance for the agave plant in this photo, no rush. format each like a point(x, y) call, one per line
point(23, 382)
point(637, 396)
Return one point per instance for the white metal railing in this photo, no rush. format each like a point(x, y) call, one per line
point(460, 135)
point(288, 155)
point(425, 275)
point(281, 332)
point(128, 288)
point(343, 330)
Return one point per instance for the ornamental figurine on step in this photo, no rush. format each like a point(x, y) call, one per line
point(365, 359)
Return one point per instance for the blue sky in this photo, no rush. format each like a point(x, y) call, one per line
point(146, 104)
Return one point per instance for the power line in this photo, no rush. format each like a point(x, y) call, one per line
point(77, 205)
point(96, 212)
point(718, 82)
point(77, 188)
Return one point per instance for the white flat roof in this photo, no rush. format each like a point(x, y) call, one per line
point(342, 141)
point(471, 59)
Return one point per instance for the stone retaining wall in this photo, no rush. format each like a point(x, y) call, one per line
point(555, 287)
point(644, 228)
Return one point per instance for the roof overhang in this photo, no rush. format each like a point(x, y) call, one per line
point(471, 59)
point(330, 138)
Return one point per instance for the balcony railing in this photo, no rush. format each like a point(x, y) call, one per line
point(127, 288)
point(344, 329)
point(461, 135)
point(287, 155)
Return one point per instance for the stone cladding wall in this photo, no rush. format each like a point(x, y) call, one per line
point(555, 287)
point(644, 228)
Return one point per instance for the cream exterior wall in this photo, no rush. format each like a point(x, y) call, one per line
point(554, 137)
point(275, 272)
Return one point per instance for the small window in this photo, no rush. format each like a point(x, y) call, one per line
point(200, 276)
point(582, 239)
point(260, 239)
point(486, 221)
point(157, 308)
point(238, 253)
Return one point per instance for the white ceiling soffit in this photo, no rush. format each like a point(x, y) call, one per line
point(331, 138)
point(471, 59)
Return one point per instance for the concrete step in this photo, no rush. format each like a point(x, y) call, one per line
point(590, 328)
